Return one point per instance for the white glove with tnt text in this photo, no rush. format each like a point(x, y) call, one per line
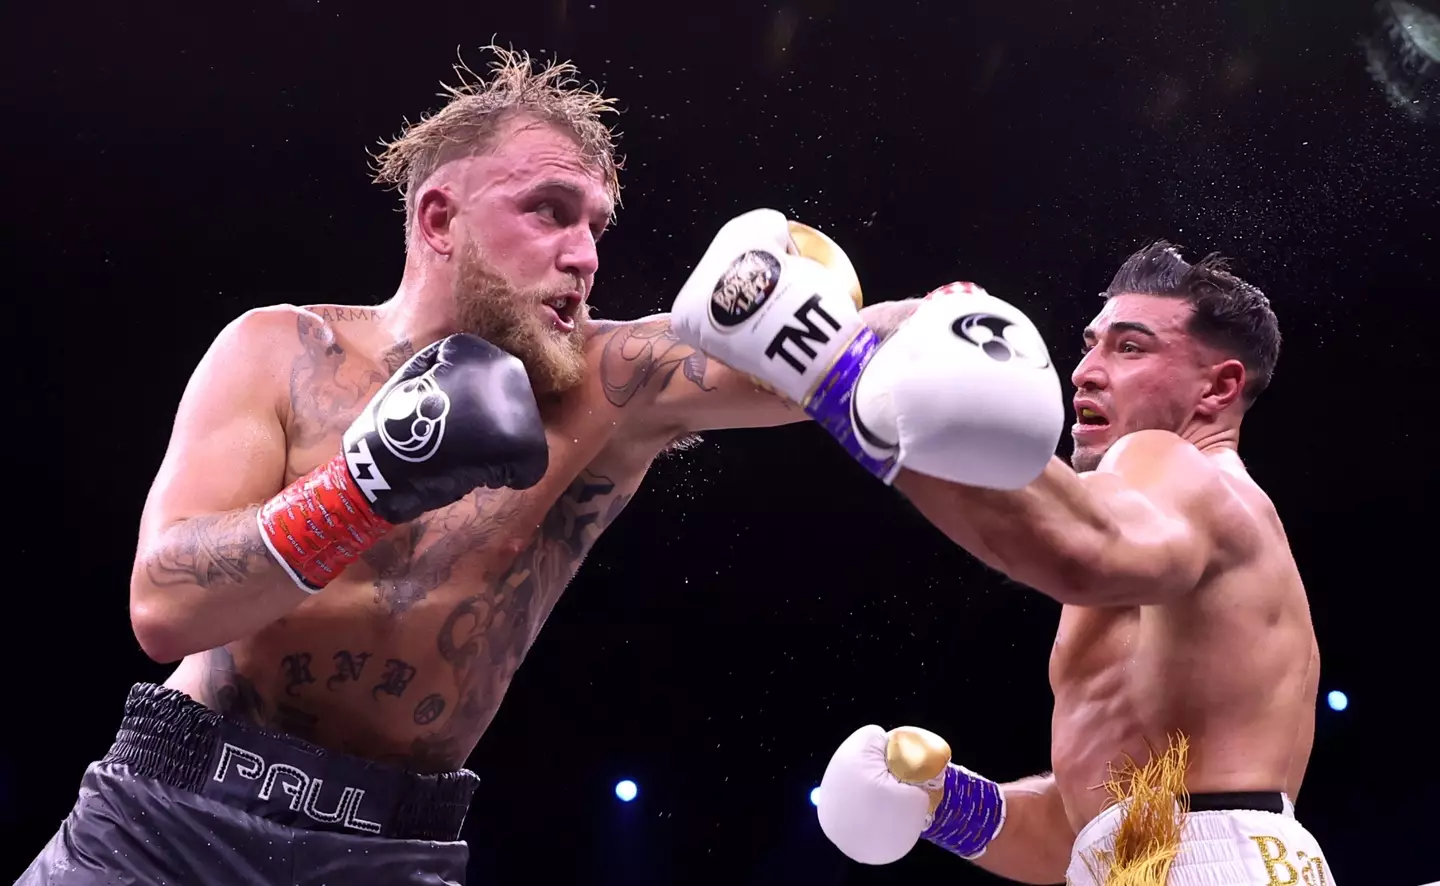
point(964, 390)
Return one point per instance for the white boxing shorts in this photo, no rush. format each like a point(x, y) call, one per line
point(1248, 839)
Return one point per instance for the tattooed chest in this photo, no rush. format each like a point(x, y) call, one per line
point(419, 680)
point(462, 545)
point(330, 384)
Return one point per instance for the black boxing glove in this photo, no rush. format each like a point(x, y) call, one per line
point(457, 416)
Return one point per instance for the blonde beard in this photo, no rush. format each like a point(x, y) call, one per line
point(510, 319)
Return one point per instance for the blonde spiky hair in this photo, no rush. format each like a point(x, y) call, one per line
point(476, 107)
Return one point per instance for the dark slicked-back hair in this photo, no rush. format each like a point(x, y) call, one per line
point(1230, 315)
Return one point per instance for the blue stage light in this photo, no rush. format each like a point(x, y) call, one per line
point(1337, 700)
point(626, 790)
point(814, 796)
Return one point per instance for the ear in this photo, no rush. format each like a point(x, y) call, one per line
point(435, 213)
point(1226, 384)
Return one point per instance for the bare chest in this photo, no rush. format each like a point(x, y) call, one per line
point(477, 540)
point(408, 654)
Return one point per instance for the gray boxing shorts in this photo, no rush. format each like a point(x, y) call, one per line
point(187, 796)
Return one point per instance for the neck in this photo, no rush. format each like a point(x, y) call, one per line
point(1213, 436)
point(422, 310)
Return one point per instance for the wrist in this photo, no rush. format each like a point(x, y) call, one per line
point(829, 404)
point(319, 524)
point(970, 814)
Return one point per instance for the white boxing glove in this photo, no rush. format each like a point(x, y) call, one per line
point(780, 302)
point(964, 390)
point(885, 791)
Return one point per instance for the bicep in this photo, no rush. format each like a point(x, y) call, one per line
point(645, 367)
point(227, 444)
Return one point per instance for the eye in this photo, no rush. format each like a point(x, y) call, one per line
point(1129, 347)
point(546, 211)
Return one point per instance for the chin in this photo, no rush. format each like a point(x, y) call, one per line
point(1087, 458)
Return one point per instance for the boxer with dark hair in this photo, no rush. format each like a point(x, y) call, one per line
point(1185, 668)
point(365, 515)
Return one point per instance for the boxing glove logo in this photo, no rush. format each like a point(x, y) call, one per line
point(1002, 340)
point(411, 419)
point(743, 288)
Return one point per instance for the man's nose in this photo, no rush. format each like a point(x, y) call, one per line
point(581, 257)
point(1089, 373)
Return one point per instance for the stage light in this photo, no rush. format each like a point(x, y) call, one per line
point(1337, 700)
point(626, 790)
point(814, 796)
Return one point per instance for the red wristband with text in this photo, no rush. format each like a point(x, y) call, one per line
point(320, 524)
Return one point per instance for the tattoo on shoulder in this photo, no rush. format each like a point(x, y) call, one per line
point(639, 354)
point(209, 552)
point(338, 314)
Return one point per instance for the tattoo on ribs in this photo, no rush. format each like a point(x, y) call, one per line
point(348, 667)
point(297, 672)
point(640, 353)
point(395, 679)
point(226, 690)
point(209, 552)
point(485, 636)
point(429, 709)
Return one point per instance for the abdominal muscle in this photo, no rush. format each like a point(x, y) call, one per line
point(1126, 685)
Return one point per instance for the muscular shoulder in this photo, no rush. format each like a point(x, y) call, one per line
point(259, 343)
point(1206, 490)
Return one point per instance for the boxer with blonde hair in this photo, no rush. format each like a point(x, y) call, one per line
point(366, 513)
point(1185, 668)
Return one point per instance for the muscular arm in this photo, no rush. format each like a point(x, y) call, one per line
point(685, 391)
point(202, 576)
point(644, 367)
point(1034, 845)
point(1138, 530)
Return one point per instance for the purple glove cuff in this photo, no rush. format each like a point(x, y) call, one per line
point(830, 404)
point(969, 816)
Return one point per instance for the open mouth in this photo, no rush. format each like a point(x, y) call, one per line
point(563, 310)
point(1088, 419)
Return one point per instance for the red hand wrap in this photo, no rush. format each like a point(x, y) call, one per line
point(320, 524)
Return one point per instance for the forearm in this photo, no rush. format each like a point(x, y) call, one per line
point(206, 581)
point(1045, 535)
point(883, 318)
point(1034, 844)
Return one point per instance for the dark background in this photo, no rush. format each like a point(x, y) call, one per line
point(173, 165)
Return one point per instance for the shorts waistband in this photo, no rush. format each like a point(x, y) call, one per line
point(168, 736)
point(1261, 801)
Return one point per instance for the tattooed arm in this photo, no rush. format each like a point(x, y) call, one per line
point(645, 367)
point(686, 391)
point(202, 576)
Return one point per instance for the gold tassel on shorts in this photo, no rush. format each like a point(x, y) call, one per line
point(1155, 802)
